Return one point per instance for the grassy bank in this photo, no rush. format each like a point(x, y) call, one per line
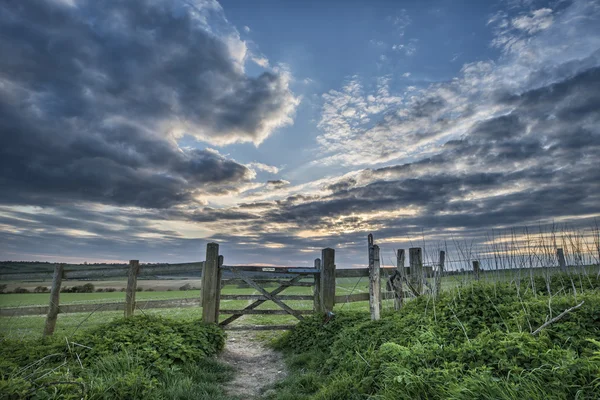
point(475, 342)
point(140, 358)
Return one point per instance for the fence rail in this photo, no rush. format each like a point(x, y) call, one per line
point(401, 282)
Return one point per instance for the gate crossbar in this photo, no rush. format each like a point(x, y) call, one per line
point(268, 295)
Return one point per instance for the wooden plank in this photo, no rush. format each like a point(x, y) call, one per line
point(261, 297)
point(476, 269)
point(210, 283)
point(54, 300)
point(416, 269)
point(219, 286)
point(266, 294)
point(263, 312)
point(76, 272)
point(374, 280)
point(359, 272)
point(350, 298)
point(286, 270)
point(396, 282)
point(317, 289)
point(562, 263)
point(114, 306)
point(281, 282)
point(328, 275)
point(440, 273)
point(259, 327)
point(134, 269)
point(259, 302)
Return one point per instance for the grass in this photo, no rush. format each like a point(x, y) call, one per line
point(139, 358)
point(473, 342)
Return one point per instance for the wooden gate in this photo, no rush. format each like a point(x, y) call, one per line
point(216, 275)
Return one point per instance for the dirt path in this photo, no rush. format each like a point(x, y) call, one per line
point(256, 365)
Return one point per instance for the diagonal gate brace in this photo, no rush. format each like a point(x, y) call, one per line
point(268, 295)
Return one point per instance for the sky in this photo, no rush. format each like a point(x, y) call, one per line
point(145, 129)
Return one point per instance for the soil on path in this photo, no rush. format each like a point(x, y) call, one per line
point(256, 365)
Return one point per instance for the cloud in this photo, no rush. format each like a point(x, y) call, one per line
point(277, 183)
point(420, 121)
point(263, 167)
point(247, 29)
point(538, 21)
point(94, 97)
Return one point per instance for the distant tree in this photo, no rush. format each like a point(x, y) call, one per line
point(87, 288)
point(40, 289)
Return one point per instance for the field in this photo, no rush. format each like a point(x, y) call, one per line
point(32, 326)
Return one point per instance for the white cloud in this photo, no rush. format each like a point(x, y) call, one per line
point(262, 61)
point(263, 167)
point(422, 120)
point(539, 20)
point(247, 29)
point(406, 74)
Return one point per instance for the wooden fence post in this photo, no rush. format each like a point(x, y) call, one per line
point(440, 273)
point(416, 268)
point(54, 300)
point(561, 259)
point(134, 269)
point(210, 284)
point(317, 290)
point(374, 281)
point(327, 280)
point(476, 269)
point(398, 280)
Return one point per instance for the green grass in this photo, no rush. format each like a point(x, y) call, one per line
point(138, 358)
point(474, 342)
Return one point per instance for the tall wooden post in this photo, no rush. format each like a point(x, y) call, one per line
point(210, 284)
point(328, 280)
point(54, 300)
point(560, 254)
point(476, 269)
point(397, 282)
point(440, 273)
point(416, 268)
point(374, 280)
point(317, 291)
point(134, 269)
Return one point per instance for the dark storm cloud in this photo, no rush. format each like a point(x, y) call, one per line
point(93, 96)
point(536, 165)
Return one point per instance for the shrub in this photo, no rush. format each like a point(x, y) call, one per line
point(110, 289)
point(3, 288)
point(158, 342)
point(20, 290)
point(185, 287)
point(475, 342)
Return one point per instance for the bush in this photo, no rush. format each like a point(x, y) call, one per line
point(185, 287)
point(110, 289)
point(3, 288)
point(20, 290)
point(158, 342)
point(472, 343)
point(138, 358)
point(41, 289)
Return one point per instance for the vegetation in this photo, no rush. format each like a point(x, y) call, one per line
point(475, 342)
point(139, 358)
